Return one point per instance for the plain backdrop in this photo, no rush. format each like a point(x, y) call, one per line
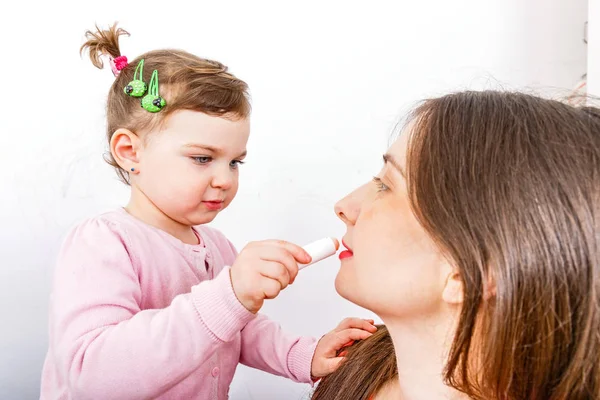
point(329, 82)
point(593, 38)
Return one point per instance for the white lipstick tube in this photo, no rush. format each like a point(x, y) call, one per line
point(320, 250)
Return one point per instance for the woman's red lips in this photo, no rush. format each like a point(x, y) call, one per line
point(346, 253)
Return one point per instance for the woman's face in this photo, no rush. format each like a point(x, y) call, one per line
point(393, 267)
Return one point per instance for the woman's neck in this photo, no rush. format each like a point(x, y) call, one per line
point(421, 349)
point(141, 207)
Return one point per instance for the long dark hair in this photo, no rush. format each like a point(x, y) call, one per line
point(369, 365)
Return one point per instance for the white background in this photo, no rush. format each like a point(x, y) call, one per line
point(329, 81)
point(594, 48)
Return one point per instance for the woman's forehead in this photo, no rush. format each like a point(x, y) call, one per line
point(398, 149)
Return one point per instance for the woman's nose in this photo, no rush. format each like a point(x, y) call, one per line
point(339, 210)
point(348, 208)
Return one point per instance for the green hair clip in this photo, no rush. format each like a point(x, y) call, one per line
point(137, 87)
point(152, 101)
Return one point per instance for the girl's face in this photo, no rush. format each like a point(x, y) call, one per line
point(189, 170)
point(393, 267)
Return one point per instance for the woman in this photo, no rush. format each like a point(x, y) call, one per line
point(478, 245)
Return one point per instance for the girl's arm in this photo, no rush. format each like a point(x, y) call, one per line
point(266, 347)
point(103, 343)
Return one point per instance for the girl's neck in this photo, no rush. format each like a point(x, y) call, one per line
point(141, 207)
point(421, 349)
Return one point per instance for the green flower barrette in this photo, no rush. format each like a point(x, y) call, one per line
point(151, 100)
point(137, 87)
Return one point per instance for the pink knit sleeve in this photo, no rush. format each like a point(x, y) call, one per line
point(265, 346)
point(103, 343)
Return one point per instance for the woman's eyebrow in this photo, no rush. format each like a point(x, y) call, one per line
point(388, 158)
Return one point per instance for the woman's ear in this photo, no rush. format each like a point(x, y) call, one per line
point(125, 147)
point(453, 292)
point(489, 289)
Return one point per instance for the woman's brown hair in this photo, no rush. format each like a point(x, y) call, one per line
point(370, 364)
point(187, 82)
point(508, 185)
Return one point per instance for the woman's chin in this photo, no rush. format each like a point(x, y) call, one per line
point(341, 285)
point(346, 288)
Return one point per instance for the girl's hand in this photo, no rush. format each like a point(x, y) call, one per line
point(326, 359)
point(263, 269)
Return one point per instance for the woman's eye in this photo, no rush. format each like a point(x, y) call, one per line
point(235, 164)
point(202, 160)
point(380, 185)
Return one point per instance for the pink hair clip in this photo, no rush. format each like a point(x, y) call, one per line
point(117, 64)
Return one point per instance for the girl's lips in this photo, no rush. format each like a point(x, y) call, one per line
point(213, 205)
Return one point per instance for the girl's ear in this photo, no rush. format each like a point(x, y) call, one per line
point(125, 147)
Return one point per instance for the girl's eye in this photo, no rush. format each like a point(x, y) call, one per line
point(380, 185)
point(202, 159)
point(235, 164)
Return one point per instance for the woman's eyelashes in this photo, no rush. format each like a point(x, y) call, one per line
point(203, 160)
point(382, 187)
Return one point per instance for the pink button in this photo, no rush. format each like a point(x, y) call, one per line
point(215, 371)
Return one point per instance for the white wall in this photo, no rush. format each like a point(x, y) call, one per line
point(329, 80)
point(594, 48)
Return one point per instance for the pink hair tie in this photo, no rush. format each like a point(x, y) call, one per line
point(117, 64)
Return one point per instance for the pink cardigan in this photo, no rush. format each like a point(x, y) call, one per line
point(137, 314)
